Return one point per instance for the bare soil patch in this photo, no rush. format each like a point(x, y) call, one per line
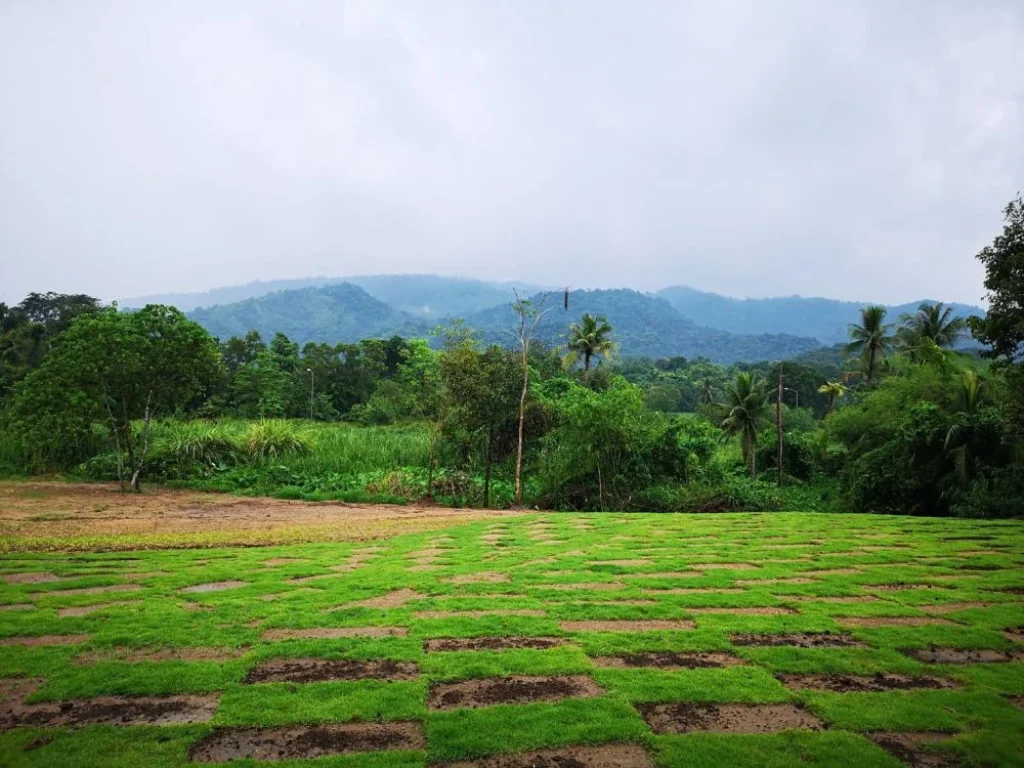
point(44, 640)
point(297, 742)
point(666, 575)
point(764, 611)
point(893, 621)
point(797, 639)
point(727, 718)
point(17, 607)
point(903, 587)
point(135, 655)
point(623, 563)
point(274, 562)
point(723, 566)
point(833, 600)
point(644, 625)
point(89, 590)
point(111, 710)
point(908, 748)
point(769, 582)
point(669, 660)
point(491, 643)
point(695, 591)
point(517, 689)
point(85, 610)
point(214, 586)
point(90, 510)
point(395, 599)
point(876, 683)
point(484, 577)
point(332, 633)
point(604, 756)
point(34, 577)
point(964, 655)
point(478, 614)
point(595, 586)
point(317, 670)
point(833, 572)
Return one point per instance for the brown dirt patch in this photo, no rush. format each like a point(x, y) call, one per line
point(908, 748)
point(604, 756)
point(769, 611)
point(478, 614)
point(669, 660)
point(17, 607)
point(89, 590)
point(215, 586)
point(484, 577)
point(646, 625)
point(769, 582)
point(44, 640)
point(491, 643)
point(135, 655)
point(727, 718)
point(395, 599)
point(35, 577)
point(85, 610)
point(1015, 635)
point(623, 563)
point(332, 633)
point(424, 567)
point(893, 621)
point(695, 591)
point(833, 600)
point(274, 562)
point(903, 587)
point(666, 575)
point(876, 683)
point(964, 655)
point(594, 586)
point(833, 572)
point(111, 710)
point(163, 517)
point(723, 567)
point(297, 742)
point(952, 607)
point(797, 639)
point(317, 670)
point(517, 689)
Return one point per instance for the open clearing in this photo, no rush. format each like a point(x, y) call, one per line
point(555, 640)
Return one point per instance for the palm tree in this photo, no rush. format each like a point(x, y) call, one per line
point(870, 339)
point(589, 338)
point(932, 327)
point(971, 395)
point(748, 413)
point(706, 392)
point(833, 389)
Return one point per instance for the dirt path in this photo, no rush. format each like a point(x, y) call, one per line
point(49, 512)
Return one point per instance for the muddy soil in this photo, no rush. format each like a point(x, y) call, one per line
point(35, 640)
point(318, 670)
point(395, 599)
point(110, 710)
point(333, 633)
point(669, 660)
point(645, 625)
point(727, 718)
point(135, 655)
point(517, 689)
point(894, 621)
point(298, 742)
point(771, 611)
point(876, 683)
point(964, 656)
point(908, 749)
point(214, 586)
point(798, 639)
point(605, 756)
point(491, 643)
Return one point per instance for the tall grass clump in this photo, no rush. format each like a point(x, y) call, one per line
point(200, 442)
point(276, 438)
point(364, 449)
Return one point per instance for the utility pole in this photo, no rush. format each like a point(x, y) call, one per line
point(312, 384)
point(778, 424)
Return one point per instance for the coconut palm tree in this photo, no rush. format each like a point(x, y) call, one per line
point(870, 339)
point(931, 327)
point(971, 395)
point(747, 401)
point(833, 389)
point(589, 338)
point(706, 392)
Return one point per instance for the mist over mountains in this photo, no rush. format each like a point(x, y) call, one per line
point(677, 320)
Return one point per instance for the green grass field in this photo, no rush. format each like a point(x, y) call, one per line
point(597, 641)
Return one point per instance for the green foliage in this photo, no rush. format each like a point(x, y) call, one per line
point(747, 402)
point(273, 439)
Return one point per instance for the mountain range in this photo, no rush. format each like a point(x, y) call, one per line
point(673, 321)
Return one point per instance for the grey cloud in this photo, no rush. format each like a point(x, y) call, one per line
point(861, 150)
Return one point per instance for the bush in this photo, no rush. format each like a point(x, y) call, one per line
point(274, 438)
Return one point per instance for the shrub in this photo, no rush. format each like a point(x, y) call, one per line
point(274, 438)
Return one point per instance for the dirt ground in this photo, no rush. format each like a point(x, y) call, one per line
point(54, 510)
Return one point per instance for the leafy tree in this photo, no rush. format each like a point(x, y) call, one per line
point(832, 390)
point(747, 401)
point(932, 325)
point(119, 368)
point(589, 338)
point(706, 394)
point(870, 339)
point(530, 313)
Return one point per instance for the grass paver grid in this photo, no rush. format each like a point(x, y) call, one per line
point(587, 640)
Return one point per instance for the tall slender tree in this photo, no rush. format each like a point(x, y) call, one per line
point(589, 338)
point(931, 326)
point(748, 412)
point(832, 390)
point(870, 339)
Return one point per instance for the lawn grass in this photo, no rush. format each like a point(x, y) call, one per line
point(526, 577)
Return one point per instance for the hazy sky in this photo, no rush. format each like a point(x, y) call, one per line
point(860, 150)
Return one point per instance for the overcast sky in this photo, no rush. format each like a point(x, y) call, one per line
point(860, 150)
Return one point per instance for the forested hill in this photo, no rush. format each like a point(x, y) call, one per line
point(824, 319)
point(644, 325)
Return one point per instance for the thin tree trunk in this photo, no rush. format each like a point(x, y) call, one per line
point(778, 425)
point(753, 459)
point(586, 367)
point(522, 418)
point(600, 487)
point(871, 363)
point(117, 447)
point(137, 467)
point(487, 468)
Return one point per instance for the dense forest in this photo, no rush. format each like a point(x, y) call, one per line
point(534, 404)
